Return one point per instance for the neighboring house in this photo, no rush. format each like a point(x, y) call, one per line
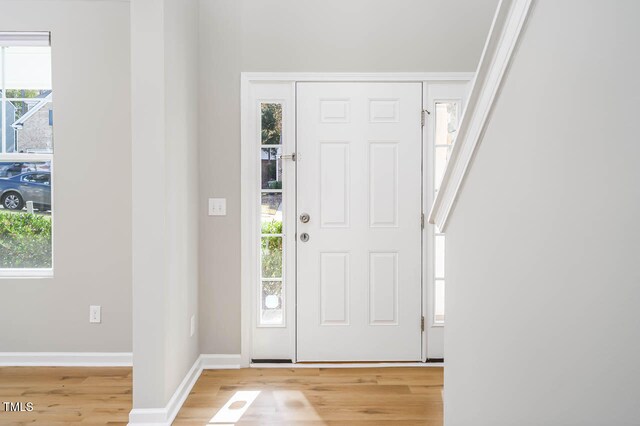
point(33, 131)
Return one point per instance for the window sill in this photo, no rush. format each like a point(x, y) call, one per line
point(26, 273)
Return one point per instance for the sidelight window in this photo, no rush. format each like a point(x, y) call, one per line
point(446, 127)
point(271, 286)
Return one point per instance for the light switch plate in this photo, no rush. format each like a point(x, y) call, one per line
point(217, 206)
point(193, 325)
point(95, 314)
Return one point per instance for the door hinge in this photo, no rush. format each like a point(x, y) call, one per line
point(423, 116)
point(422, 220)
point(422, 323)
point(288, 157)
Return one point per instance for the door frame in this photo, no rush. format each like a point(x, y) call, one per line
point(250, 184)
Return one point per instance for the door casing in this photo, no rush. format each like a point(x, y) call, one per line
point(434, 85)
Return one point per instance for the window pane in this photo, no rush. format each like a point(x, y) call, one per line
point(25, 215)
point(271, 308)
point(271, 166)
point(271, 130)
point(27, 93)
point(30, 126)
point(27, 68)
point(26, 186)
point(271, 257)
point(439, 255)
point(439, 302)
point(271, 284)
point(271, 210)
point(446, 122)
point(441, 164)
point(14, 168)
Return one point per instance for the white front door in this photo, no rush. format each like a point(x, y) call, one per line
point(359, 162)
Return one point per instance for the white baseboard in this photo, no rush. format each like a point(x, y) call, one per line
point(66, 359)
point(164, 416)
point(220, 361)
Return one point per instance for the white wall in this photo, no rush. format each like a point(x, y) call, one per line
point(92, 177)
point(299, 35)
point(542, 248)
point(165, 191)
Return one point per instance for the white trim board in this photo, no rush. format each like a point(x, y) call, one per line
point(66, 359)
point(164, 416)
point(220, 361)
point(498, 51)
point(356, 76)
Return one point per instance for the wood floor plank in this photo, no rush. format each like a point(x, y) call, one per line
point(306, 396)
point(325, 396)
point(67, 395)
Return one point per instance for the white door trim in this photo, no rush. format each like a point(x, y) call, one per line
point(249, 180)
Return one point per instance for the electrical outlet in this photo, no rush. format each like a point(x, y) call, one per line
point(95, 315)
point(193, 325)
point(217, 206)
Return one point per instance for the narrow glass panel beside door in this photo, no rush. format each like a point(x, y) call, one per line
point(271, 168)
point(271, 257)
point(271, 209)
point(446, 127)
point(271, 291)
point(439, 302)
point(271, 122)
point(271, 303)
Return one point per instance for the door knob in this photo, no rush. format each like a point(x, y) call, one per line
point(304, 217)
point(304, 237)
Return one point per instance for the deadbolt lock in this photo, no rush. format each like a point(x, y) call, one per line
point(304, 237)
point(304, 217)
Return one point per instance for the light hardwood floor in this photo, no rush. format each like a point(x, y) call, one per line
point(312, 396)
point(66, 395)
point(303, 396)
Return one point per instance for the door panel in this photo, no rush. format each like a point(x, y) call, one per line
point(359, 177)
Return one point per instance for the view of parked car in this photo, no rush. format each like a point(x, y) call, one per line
point(15, 191)
point(9, 169)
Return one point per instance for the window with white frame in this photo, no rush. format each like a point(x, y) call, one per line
point(446, 126)
point(271, 285)
point(26, 152)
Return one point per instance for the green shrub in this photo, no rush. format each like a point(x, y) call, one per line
point(25, 240)
point(272, 250)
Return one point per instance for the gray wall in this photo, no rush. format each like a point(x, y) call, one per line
point(300, 35)
point(165, 192)
point(542, 248)
point(181, 44)
point(92, 239)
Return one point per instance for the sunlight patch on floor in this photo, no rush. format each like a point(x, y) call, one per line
point(296, 405)
point(235, 408)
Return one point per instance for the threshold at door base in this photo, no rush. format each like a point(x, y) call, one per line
point(271, 361)
point(348, 365)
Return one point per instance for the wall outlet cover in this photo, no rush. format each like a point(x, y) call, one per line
point(95, 314)
point(217, 206)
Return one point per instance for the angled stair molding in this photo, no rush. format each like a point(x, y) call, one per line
point(507, 25)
